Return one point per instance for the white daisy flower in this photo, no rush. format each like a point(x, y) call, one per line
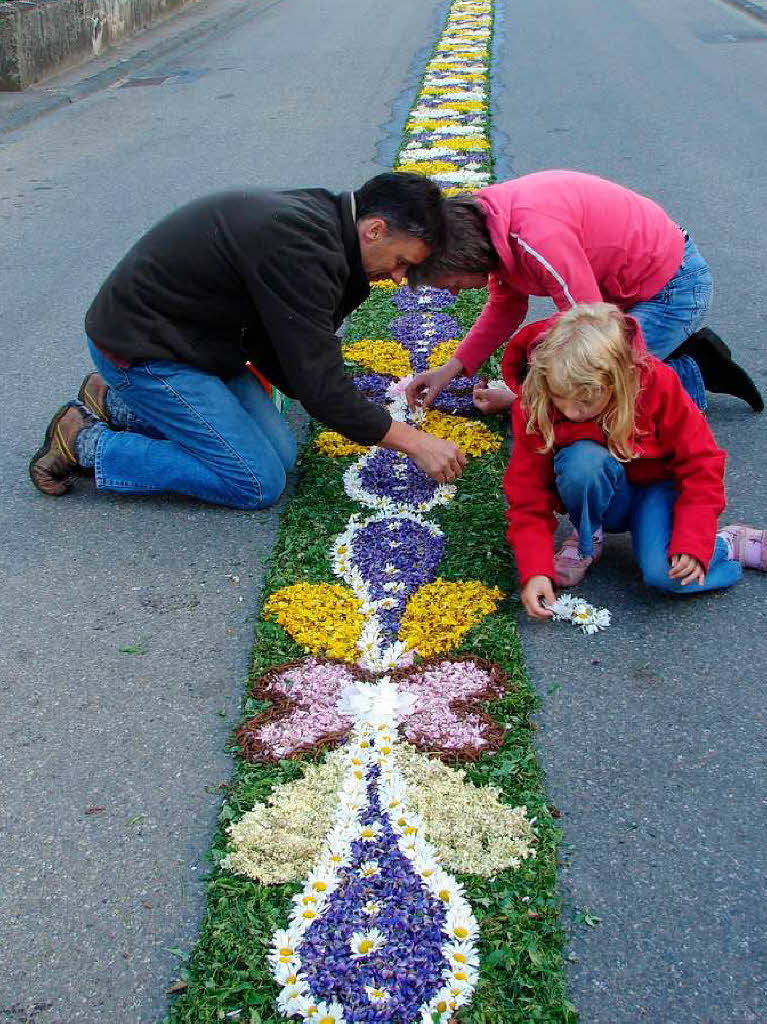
point(366, 943)
point(461, 954)
point(372, 908)
point(369, 869)
point(291, 998)
point(370, 832)
point(461, 923)
point(377, 996)
point(328, 1013)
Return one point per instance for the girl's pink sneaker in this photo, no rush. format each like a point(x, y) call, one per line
point(570, 566)
point(746, 545)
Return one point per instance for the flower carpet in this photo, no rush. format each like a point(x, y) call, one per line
point(386, 854)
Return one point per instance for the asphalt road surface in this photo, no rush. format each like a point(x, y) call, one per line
point(127, 622)
point(110, 760)
point(653, 734)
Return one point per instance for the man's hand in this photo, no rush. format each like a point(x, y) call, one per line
point(535, 593)
point(491, 400)
point(424, 387)
point(441, 460)
point(686, 569)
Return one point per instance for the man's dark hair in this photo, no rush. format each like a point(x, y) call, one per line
point(410, 203)
point(468, 248)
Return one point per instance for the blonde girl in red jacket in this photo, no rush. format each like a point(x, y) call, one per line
point(605, 432)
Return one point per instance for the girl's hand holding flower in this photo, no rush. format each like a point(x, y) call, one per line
point(537, 593)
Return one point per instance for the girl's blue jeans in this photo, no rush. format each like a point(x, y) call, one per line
point(190, 432)
point(593, 487)
point(674, 313)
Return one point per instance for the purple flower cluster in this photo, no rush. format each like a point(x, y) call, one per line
point(456, 397)
point(413, 554)
point(426, 298)
point(373, 385)
point(419, 334)
point(386, 474)
point(409, 965)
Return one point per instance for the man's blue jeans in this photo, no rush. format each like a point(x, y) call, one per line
point(190, 432)
point(593, 487)
point(674, 313)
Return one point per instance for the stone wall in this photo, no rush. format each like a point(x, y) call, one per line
point(38, 37)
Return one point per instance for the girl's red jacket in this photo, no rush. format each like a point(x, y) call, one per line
point(674, 443)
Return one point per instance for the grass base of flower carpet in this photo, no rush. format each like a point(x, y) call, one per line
point(521, 976)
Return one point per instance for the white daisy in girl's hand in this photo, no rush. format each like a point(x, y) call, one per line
point(366, 943)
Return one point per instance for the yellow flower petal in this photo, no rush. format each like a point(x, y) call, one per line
point(322, 617)
point(440, 614)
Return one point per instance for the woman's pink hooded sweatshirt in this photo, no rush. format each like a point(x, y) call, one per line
point(574, 237)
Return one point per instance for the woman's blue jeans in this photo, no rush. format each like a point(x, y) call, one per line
point(190, 432)
point(674, 313)
point(593, 487)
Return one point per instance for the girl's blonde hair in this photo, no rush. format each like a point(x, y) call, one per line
point(587, 352)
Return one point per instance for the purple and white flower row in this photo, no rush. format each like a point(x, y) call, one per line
point(372, 815)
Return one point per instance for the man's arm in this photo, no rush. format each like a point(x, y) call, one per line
point(300, 320)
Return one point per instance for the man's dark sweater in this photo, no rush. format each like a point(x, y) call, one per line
point(250, 275)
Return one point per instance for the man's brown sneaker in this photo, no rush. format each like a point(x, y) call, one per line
point(93, 395)
point(55, 466)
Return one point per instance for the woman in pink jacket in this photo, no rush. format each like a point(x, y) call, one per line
point(578, 238)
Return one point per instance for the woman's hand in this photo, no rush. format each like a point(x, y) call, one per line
point(424, 387)
point(686, 569)
point(535, 593)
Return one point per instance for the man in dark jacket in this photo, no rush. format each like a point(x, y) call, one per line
point(258, 276)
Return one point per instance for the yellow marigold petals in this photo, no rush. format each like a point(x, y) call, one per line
point(379, 356)
point(428, 167)
point(460, 105)
point(442, 352)
point(427, 126)
point(471, 437)
point(469, 142)
point(324, 618)
point(440, 614)
point(330, 443)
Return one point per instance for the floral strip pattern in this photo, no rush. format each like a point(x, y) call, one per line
point(379, 924)
point(447, 720)
point(380, 931)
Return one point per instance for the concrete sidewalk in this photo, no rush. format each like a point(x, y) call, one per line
point(39, 37)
